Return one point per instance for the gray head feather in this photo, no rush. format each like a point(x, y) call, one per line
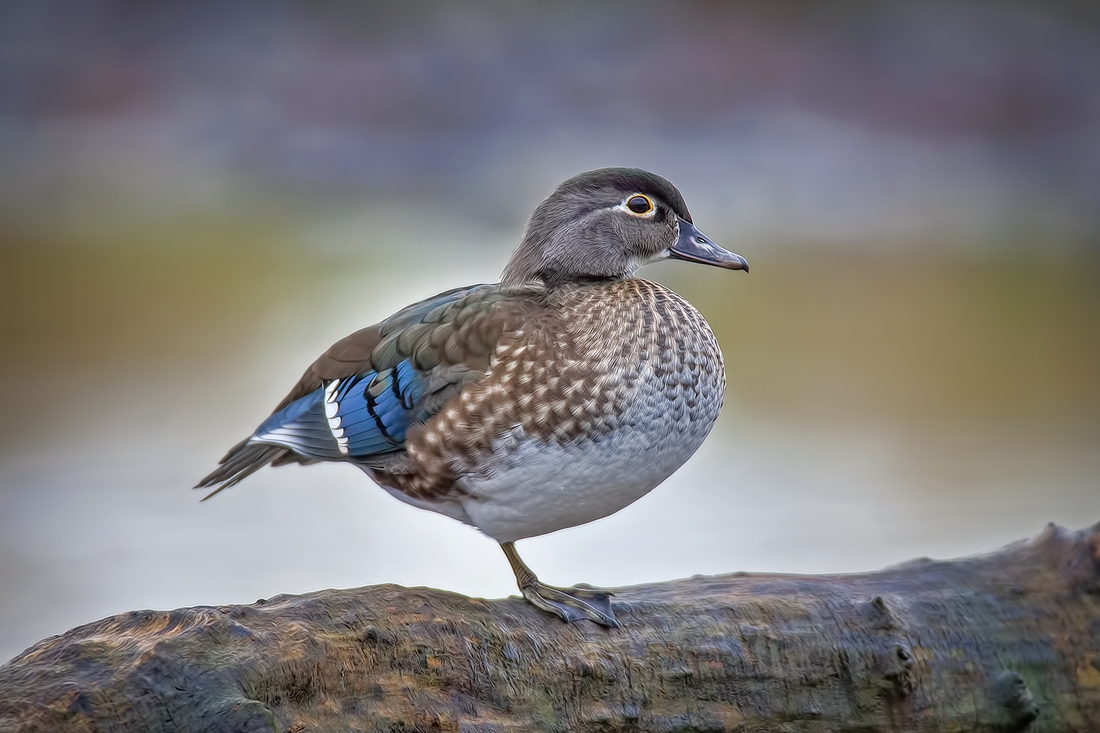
point(580, 232)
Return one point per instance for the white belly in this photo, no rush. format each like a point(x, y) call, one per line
point(542, 488)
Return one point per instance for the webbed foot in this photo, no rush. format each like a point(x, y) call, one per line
point(570, 604)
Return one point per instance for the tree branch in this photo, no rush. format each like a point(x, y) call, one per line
point(1008, 641)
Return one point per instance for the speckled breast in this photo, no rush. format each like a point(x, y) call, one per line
point(606, 394)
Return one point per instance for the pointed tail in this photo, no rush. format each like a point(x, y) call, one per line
point(242, 460)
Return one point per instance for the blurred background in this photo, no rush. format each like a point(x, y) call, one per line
point(198, 198)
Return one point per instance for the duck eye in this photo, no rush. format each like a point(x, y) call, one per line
point(639, 203)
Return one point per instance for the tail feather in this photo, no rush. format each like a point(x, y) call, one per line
point(242, 460)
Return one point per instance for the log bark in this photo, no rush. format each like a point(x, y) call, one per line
point(1008, 641)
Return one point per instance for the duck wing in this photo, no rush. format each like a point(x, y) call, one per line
point(357, 401)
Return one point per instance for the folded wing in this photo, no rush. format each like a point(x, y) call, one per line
point(359, 399)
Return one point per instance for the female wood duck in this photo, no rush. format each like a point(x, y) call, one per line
point(556, 397)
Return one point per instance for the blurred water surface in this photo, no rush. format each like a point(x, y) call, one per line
point(196, 200)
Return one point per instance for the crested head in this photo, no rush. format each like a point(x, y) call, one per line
point(605, 224)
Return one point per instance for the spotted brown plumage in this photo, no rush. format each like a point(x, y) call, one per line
point(551, 399)
point(552, 379)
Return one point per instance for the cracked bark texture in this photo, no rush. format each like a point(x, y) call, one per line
point(1008, 641)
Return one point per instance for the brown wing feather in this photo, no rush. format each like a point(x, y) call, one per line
point(350, 355)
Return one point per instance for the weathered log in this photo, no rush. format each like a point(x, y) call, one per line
point(1008, 641)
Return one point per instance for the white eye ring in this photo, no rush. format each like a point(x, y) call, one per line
point(634, 203)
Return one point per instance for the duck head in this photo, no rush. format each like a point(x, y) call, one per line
point(604, 225)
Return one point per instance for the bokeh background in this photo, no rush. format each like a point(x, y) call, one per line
point(198, 197)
